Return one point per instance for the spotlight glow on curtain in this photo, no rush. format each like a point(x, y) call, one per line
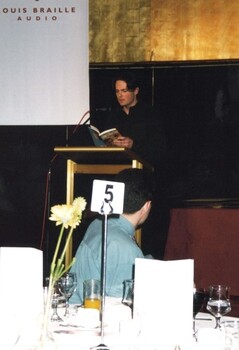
point(43, 62)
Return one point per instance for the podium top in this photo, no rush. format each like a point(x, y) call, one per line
point(101, 155)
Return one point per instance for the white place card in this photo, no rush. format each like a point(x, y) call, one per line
point(21, 290)
point(163, 302)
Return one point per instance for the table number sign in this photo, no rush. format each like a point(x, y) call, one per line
point(107, 197)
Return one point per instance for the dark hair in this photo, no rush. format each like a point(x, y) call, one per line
point(138, 188)
point(129, 78)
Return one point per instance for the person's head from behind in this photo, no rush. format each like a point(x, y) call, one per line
point(138, 192)
point(126, 88)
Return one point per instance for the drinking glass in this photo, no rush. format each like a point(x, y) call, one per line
point(128, 293)
point(67, 285)
point(55, 300)
point(55, 297)
point(92, 294)
point(218, 304)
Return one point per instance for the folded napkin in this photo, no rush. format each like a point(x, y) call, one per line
point(85, 318)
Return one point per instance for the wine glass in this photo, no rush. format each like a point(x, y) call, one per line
point(55, 297)
point(67, 285)
point(128, 293)
point(198, 301)
point(218, 304)
point(55, 300)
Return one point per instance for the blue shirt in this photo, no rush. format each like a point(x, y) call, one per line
point(121, 253)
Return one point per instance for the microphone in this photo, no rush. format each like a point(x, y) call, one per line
point(85, 122)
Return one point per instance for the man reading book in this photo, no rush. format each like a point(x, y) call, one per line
point(139, 124)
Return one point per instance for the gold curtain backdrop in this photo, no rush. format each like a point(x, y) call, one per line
point(163, 30)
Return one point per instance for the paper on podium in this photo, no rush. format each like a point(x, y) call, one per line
point(21, 290)
point(163, 301)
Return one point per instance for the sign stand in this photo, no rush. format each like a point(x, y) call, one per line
point(112, 194)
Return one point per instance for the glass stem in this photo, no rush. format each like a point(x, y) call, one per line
point(67, 308)
point(194, 325)
point(54, 316)
point(218, 322)
point(194, 329)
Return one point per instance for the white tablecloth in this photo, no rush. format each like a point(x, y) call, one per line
point(128, 336)
point(121, 332)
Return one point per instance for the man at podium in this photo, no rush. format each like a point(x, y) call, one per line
point(138, 123)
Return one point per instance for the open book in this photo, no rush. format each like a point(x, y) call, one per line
point(107, 135)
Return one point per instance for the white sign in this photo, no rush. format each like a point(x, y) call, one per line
point(163, 302)
point(44, 62)
point(21, 294)
point(107, 197)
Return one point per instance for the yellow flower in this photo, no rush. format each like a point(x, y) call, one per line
point(62, 214)
point(79, 204)
point(68, 215)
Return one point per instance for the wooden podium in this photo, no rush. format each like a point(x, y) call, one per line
point(97, 160)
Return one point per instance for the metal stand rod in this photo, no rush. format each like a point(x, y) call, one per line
point(102, 346)
point(103, 277)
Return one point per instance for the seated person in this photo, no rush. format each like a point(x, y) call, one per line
point(121, 246)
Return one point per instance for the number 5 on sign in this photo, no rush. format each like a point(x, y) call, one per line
point(107, 197)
